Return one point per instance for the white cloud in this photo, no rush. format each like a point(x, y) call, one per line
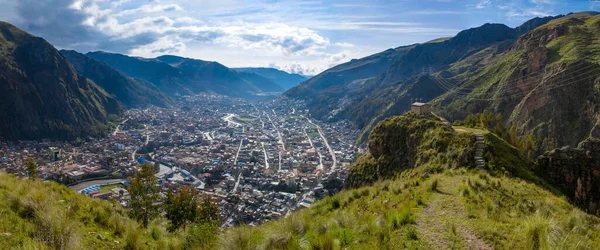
point(164, 45)
point(344, 45)
point(149, 8)
point(483, 4)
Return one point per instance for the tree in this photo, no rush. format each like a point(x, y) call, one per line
point(181, 208)
point(514, 138)
point(529, 146)
point(144, 191)
point(471, 121)
point(31, 168)
point(499, 126)
point(209, 211)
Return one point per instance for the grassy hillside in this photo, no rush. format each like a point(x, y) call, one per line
point(453, 209)
point(47, 215)
point(427, 201)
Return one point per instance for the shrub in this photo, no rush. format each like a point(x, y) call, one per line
point(540, 233)
point(202, 236)
point(411, 234)
point(132, 239)
point(335, 204)
point(434, 185)
point(57, 231)
point(403, 218)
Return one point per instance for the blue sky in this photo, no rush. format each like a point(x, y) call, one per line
point(296, 36)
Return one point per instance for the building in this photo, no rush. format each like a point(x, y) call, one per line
point(421, 108)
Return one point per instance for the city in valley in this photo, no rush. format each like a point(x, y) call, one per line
point(258, 160)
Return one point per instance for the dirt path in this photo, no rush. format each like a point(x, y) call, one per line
point(442, 222)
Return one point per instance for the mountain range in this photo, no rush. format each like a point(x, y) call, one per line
point(540, 76)
point(67, 94)
point(129, 91)
point(183, 76)
point(282, 78)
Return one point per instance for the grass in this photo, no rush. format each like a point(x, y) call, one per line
point(313, 134)
point(499, 212)
point(463, 129)
point(47, 215)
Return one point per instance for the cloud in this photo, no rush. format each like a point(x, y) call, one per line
point(483, 4)
point(344, 45)
point(155, 28)
point(296, 68)
point(149, 8)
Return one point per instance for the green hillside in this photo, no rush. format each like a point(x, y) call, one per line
point(47, 215)
point(427, 200)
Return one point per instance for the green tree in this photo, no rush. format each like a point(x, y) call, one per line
point(529, 146)
point(144, 191)
point(31, 168)
point(512, 134)
point(209, 211)
point(499, 126)
point(182, 207)
point(471, 121)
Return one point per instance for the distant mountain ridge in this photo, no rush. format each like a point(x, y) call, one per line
point(131, 92)
point(284, 79)
point(184, 76)
point(41, 94)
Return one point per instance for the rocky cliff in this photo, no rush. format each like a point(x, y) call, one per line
point(576, 172)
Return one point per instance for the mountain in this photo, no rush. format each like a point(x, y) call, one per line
point(261, 82)
point(42, 96)
point(368, 90)
point(129, 91)
point(421, 192)
point(205, 76)
point(546, 83)
point(177, 75)
point(284, 79)
point(332, 90)
point(165, 77)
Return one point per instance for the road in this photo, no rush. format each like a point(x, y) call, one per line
point(237, 183)
point(230, 121)
point(266, 158)
point(276, 129)
point(326, 142)
point(145, 143)
point(238, 153)
point(320, 167)
point(119, 127)
point(207, 135)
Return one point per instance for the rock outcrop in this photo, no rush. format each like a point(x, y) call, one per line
point(407, 142)
point(575, 172)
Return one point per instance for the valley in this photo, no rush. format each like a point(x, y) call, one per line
point(258, 168)
point(478, 138)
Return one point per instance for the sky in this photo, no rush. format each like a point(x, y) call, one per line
point(303, 37)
